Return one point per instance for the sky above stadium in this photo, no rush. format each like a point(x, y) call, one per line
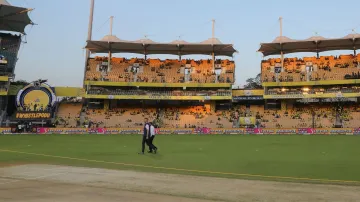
point(54, 48)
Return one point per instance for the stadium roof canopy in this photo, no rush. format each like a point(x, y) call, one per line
point(146, 46)
point(313, 44)
point(13, 18)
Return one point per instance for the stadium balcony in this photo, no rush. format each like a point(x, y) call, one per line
point(160, 71)
point(321, 70)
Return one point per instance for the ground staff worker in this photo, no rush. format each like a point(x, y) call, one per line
point(152, 147)
point(146, 136)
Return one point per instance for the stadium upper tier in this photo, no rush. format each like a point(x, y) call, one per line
point(310, 69)
point(160, 71)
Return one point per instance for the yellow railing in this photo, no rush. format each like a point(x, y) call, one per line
point(311, 83)
point(301, 96)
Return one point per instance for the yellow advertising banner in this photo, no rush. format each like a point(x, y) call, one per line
point(241, 92)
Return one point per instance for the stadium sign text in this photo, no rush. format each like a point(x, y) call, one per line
point(33, 115)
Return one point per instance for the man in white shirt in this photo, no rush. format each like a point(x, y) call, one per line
point(152, 136)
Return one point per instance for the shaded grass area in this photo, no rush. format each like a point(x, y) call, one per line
point(320, 157)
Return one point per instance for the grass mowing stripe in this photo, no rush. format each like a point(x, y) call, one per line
point(188, 170)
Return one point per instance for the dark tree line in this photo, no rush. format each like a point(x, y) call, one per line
point(253, 83)
point(20, 82)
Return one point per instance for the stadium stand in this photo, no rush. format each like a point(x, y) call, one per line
point(311, 68)
point(158, 71)
point(68, 114)
point(201, 116)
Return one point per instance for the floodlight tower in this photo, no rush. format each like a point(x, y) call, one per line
point(91, 18)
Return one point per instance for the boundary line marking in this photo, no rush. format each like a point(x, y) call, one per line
point(187, 170)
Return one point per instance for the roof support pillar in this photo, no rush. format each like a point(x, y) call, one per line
point(282, 61)
point(354, 40)
point(317, 49)
point(179, 51)
point(213, 60)
point(145, 50)
point(109, 58)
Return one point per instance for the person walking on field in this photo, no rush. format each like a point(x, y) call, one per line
point(152, 147)
point(146, 136)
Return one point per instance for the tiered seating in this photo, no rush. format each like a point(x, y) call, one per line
point(120, 69)
point(68, 114)
point(312, 68)
point(121, 117)
point(155, 70)
point(202, 116)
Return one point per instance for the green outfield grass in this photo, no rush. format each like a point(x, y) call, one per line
point(322, 157)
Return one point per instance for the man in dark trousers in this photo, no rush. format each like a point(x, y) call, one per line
point(152, 136)
point(146, 136)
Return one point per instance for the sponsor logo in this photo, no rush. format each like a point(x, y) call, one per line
point(286, 131)
point(189, 131)
point(160, 97)
point(321, 131)
point(130, 131)
point(165, 131)
point(268, 131)
point(234, 131)
point(305, 131)
point(356, 131)
point(341, 131)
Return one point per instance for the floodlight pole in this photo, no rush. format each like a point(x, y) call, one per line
point(111, 24)
point(212, 41)
point(281, 34)
point(91, 17)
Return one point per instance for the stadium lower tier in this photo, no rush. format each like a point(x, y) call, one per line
point(210, 115)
